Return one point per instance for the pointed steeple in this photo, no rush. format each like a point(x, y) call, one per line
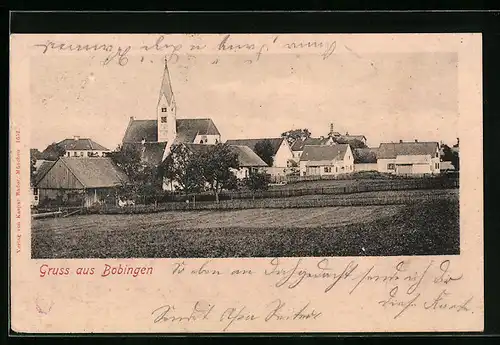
point(166, 86)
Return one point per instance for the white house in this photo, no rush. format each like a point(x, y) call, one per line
point(326, 160)
point(409, 158)
point(298, 145)
point(82, 147)
point(156, 136)
point(282, 153)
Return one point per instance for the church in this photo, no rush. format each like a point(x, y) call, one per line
point(156, 136)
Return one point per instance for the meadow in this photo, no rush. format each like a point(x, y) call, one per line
point(428, 226)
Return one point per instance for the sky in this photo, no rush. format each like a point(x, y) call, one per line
point(384, 96)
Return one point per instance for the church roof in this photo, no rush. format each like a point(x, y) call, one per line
point(187, 130)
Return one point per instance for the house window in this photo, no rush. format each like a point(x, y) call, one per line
point(336, 169)
point(328, 169)
point(390, 166)
point(75, 154)
point(163, 110)
point(164, 119)
point(436, 166)
point(68, 154)
point(81, 154)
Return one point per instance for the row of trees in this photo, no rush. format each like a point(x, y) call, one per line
point(208, 168)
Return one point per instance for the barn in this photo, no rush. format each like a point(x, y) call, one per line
point(80, 182)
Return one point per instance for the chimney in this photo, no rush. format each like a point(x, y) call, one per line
point(400, 141)
point(131, 118)
point(331, 128)
point(76, 137)
point(322, 137)
point(416, 140)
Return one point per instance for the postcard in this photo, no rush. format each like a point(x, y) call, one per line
point(256, 183)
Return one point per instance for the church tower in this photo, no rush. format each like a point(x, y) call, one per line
point(166, 110)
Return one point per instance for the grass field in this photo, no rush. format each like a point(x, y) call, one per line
point(427, 227)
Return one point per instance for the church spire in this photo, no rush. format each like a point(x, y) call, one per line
point(166, 110)
point(166, 86)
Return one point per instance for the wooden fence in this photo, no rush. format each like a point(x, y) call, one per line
point(284, 198)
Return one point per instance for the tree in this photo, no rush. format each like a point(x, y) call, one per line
point(128, 159)
point(218, 162)
point(456, 156)
point(145, 180)
point(258, 181)
point(34, 156)
point(264, 149)
point(447, 155)
point(294, 134)
point(53, 152)
point(451, 155)
point(185, 168)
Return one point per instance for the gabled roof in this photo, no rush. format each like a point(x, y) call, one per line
point(299, 144)
point(365, 155)
point(392, 150)
point(275, 143)
point(81, 144)
point(187, 130)
point(246, 157)
point(42, 170)
point(95, 172)
point(324, 153)
point(353, 137)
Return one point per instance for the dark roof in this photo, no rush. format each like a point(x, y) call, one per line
point(187, 129)
point(324, 153)
point(299, 144)
point(82, 144)
point(391, 150)
point(151, 153)
point(42, 170)
point(275, 142)
point(247, 158)
point(366, 155)
point(95, 172)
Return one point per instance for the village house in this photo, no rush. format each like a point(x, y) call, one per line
point(298, 145)
point(73, 181)
point(248, 160)
point(365, 159)
point(156, 136)
point(281, 153)
point(326, 160)
point(409, 158)
point(82, 147)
